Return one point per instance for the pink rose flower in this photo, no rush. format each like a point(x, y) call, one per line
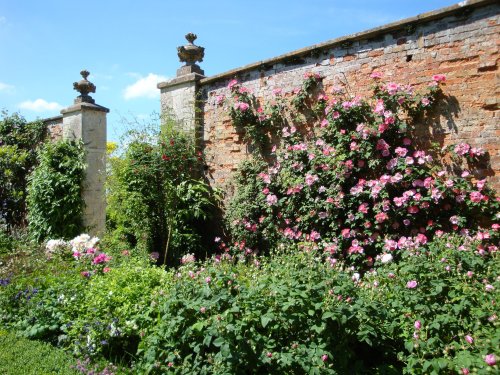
point(412, 284)
point(476, 196)
point(490, 359)
point(439, 78)
point(469, 339)
point(241, 106)
point(232, 83)
point(271, 199)
point(417, 324)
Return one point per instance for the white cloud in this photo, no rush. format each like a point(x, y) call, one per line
point(144, 87)
point(39, 105)
point(3, 20)
point(5, 87)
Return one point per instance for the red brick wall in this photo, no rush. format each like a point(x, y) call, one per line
point(459, 42)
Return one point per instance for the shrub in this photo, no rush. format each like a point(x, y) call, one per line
point(156, 200)
point(55, 204)
point(348, 176)
point(297, 312)
point(19, 142)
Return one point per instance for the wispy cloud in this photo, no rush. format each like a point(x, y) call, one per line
point(39, 105)
point(3, 20)
point(144, 87)
point(4, 87)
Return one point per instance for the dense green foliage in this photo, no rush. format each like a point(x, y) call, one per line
point(156, 199)
point(55, 204)
point(22, 356)
point(19, 141)
point(295, 312)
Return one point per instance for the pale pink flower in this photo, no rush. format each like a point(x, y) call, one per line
point(401, 151)
point(476, 196)
point(376, 75)
point(241, 106)
point(476, 151)
point(311, 179)
point(219, 99)
point(271, 199)
point(469, 339)
point(392, 88)
point(386, 258)
point(462, 148)
point(417, 324)
point(490, 359)
point(480, 184)
point(324, 357)
point(425, 102)
point(412, 284)
point(379, 107)
point(232, 83)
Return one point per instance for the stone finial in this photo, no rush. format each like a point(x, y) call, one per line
point(190, 54)
point(84, 87)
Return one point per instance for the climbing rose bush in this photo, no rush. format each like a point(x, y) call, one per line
point(349, 177)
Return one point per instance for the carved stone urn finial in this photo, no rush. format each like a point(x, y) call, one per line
point(191, 37)
point(190, 54)
point(84, 87)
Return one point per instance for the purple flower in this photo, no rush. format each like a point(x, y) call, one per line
point(412, 284)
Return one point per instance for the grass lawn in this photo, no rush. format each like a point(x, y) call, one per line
point(20, 356)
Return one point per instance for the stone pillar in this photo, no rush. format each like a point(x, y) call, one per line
point(86, 120)
point(179, 95)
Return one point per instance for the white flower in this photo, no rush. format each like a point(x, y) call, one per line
point(55, 246)
point(386, 258)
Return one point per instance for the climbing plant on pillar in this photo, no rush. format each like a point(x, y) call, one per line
point(55, 204)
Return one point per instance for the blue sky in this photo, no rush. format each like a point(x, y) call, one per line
point(130, 45)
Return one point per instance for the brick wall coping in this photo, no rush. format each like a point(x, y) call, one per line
point(54, 119)
point(412, 21)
